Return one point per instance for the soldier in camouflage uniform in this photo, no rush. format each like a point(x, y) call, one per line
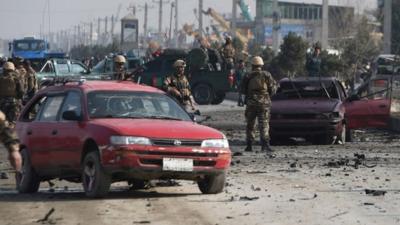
point(119, 69)
point(10, 141)
point(30, 81)
point(10, 92)
point(228, 53)
point(258, 86)
point(177, 85)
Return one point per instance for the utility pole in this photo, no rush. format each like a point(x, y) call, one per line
point(176, 24)
point(106, 30)
point(325, 24)
point(234, 14)
point(170, 24)
point(91, 34)
point(160, 13)
point(112, 27)
point(200, 11)
point(387, 27)
point(275, 27)
point(98, 30)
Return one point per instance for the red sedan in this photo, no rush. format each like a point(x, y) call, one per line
point(99, 132)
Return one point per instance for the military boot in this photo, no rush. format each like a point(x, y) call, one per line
point(249, 147)
point(265, 147)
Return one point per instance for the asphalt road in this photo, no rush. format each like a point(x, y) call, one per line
point(354, 183)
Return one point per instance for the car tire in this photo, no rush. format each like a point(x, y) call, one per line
point(212, 184)
point(27, 180)
point(95, 181)
point(219, 98)
point(203, 94)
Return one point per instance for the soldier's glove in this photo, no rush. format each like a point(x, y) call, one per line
point(14, 157)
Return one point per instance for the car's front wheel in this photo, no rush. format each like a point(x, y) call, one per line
point(212, 184)
point(95, 181)
point(27, 180)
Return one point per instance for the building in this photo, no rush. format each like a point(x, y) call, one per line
point(305, 19)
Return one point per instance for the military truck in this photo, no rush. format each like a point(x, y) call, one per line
point(209, 82)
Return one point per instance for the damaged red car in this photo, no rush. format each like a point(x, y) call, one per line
point(100, 132)
point(311, 108)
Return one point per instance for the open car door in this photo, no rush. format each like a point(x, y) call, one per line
point(369, 106)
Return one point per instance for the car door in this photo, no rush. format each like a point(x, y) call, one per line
point(71, 133)
point(41, 133)
point(370, 105)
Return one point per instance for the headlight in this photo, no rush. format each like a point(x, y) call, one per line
point(129, 140)
point(331, 115)
point(215, 143)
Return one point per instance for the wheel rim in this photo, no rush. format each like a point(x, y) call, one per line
point(89, 175)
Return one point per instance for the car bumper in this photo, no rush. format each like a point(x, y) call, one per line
point(305, 128)
point(146, 162)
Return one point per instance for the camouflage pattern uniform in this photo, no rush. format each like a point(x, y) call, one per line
point(120, 74)
point(258, 86)
point(181, 84)
point(7, 135)
point(228, 52)
point(31, 83)
point(11, 93)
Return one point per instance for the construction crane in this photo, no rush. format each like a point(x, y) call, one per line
point(245, 10)
point(225, 24)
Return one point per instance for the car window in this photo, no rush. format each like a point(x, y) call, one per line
point(47, 68)
point(77, 68)
point(51, 108)
point(62, 68)
point(34, 109)
point(72, 103)
point(123, 104)
point(306, 89)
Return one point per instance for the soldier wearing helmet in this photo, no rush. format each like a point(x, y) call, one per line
point(10, 92)
point(177, 85)
point(258, 86)
point(119, 68)
point(10, 141)
point(228, 53)
point(313, 63)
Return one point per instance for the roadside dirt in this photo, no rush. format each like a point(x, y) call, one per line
point(354, 183)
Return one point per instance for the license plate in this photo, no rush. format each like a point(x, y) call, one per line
point(176, 164)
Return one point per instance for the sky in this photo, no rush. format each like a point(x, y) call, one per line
point(22, 18)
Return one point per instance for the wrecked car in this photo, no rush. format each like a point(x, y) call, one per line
point(310, 108)
point(100, 132)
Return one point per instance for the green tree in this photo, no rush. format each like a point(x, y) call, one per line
point(291, 58)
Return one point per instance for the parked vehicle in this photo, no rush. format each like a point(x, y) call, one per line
point(208, 82)
point(99, 132)
point(309, 107)
point(60, 67)
point(106, 66)
point(319, 110)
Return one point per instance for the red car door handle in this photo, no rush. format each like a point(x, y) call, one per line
point(54, 132)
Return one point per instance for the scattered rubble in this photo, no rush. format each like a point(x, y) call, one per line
point(375, 192)
point(46, 217)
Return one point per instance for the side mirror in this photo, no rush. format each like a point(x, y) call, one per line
point(71, 115)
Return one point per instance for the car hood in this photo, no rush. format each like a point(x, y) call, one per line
point(304, 105)
point(168, 129)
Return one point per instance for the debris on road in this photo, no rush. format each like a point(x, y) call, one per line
point(4, 176)
point(46, 217)
point(142, 222)
point(313, 197)
point(167, 183)
point(375, 192)
point(246, 198)
point(237, 154)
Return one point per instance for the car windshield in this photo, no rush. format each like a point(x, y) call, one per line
point(132, 104)
point(29, 45)
point(306, 89)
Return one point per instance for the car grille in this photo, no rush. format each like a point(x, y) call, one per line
point(172, 142)
point(184, 154)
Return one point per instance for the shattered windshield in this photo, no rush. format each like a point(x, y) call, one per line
point(306, 89)
point(131, 104)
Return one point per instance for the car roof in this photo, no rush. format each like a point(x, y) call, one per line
point(301, 79)
point(87, 86)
